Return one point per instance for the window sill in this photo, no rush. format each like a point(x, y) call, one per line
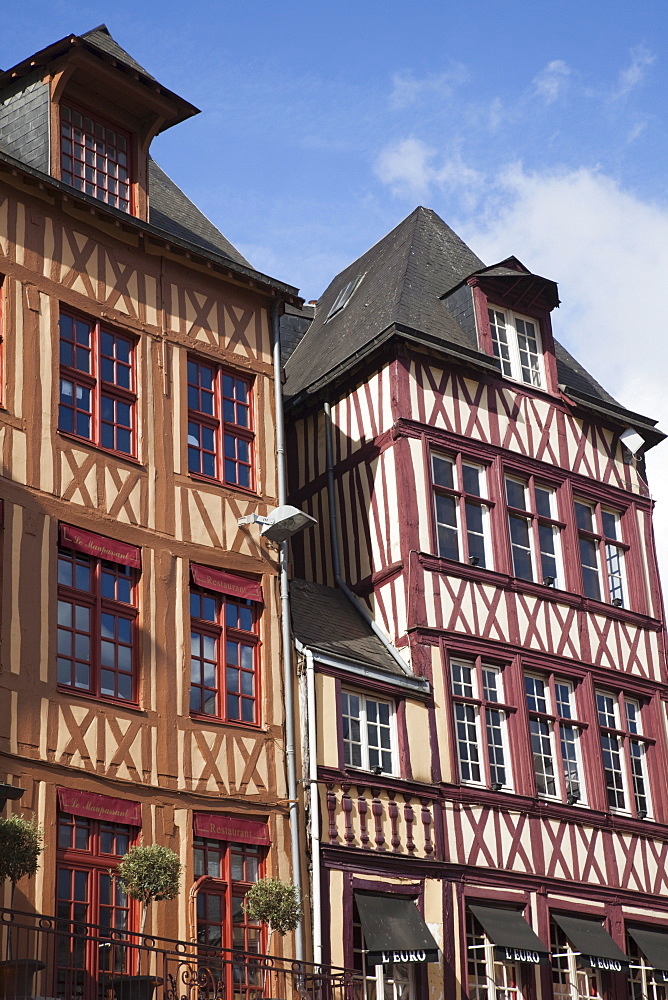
point(99, 699)
point(215, 720)
point(549, 809)
point(366, 779)
point(198, 477)
point(121, 456)
point(449, 567)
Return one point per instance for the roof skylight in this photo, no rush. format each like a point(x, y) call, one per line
point(344, 296)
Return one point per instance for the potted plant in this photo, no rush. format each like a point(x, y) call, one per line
point(275, 904)
point(21, 843)
point(146, 873)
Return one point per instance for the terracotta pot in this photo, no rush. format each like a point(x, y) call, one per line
point(134, 987)
point(16, 976)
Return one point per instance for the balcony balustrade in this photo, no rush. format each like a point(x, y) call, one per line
point(56, 959)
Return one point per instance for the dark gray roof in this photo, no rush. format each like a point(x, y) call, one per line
point(101, 39)
point(405, 279)
point(174, 213)
point(324, 620)
point(403, 276)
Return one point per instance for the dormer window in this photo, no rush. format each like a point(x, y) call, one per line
point(94, 157)
point(517, 345)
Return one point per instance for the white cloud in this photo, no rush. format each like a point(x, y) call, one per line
point(409, 168)
point(608, 250)
point(407, 89)
point(551, 82)
point(406, 167)
point(634, 74)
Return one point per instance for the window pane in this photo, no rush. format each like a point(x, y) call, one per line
point(516, 494)
point(443, 471)
point(472, 477)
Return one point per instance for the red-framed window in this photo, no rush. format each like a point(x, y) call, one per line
point(555, 734)
point(97, 616)
point(2, 340)
point(391, 981)
point(97, 384)
point(517, 344)
point(624, 749)
point(95, 157)
point(481, 715)
point(220, 424)
point(535, 531)
point(462, 509)
point(87, 893)
point(224, 651)
point(489, 975)
point(602, 552)
point(222, 921)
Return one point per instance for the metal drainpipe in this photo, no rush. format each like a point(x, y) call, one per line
point(288, 687)
point(336, 564)
point(314, 801)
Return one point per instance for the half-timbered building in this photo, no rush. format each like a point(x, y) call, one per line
point(141, 700)
point(481, 635)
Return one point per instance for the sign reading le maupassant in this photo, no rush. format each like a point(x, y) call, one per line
point(97, 545)
point(103, 807)
point(232, 828)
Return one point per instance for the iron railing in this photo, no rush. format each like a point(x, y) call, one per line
point(56, 959)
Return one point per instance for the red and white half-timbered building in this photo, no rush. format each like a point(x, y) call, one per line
point(490, 762)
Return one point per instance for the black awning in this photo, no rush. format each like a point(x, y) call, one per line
point(514, 938)
point(394, 930)
point(595, 947)
point(653, 945)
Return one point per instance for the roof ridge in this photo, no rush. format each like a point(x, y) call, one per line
point(402, 286)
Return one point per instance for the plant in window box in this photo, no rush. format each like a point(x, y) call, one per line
point(21, 843)
point(277, 905)
point(146, 873)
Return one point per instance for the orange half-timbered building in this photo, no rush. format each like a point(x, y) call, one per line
point(141, 700)
point(492, 819)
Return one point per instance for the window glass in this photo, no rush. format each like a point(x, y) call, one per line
point(223, 657)
point(368, 732)
point(462, 510)
point(517, 345)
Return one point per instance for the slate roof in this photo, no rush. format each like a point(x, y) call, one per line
point(170, 210)
point(406, 277)
point(100, 38)
point(324, 620)
point(174, 213)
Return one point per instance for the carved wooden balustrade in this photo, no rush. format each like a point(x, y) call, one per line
point(378, 817)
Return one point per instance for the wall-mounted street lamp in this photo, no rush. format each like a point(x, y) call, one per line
point(9, 792)
point(283, 522)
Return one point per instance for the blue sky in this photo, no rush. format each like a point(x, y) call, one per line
point(532, 128)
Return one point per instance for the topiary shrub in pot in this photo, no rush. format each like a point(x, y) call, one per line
point(277, 905)
point(21, 843)
point(146, 873)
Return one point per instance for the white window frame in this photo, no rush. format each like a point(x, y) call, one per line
point(511, 360)
point(462, 501)
point(582, 984)
point(640, 975)
point(536, 521)
point(498, 976)
point(480, 706)
point(606, 547)
point(556, 722)
point(363, 743)
point(626, 730)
